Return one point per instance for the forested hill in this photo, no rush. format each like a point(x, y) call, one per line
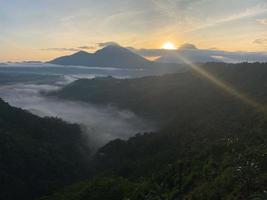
point(212, 147)
point(38, 155)
point(180, 164)
point(185, 94)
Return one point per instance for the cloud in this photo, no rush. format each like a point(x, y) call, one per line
point(60, 49)
point(117, 123)
point(188, 46)
point(87, 47)
point(260, 41)
point(247, 13)
point(104, 44)
point(262, 21)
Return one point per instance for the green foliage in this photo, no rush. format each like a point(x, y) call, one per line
point(186, 94)
point(211, 145)
point(112, 188)
point(38, 155)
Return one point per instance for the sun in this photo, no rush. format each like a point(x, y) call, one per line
point(168, 45)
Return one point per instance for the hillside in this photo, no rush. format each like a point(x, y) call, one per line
point(166, 96)
point(38, 155)
point(181, 163)
point(211, 145)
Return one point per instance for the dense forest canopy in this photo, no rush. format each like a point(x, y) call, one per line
point(163, 97)
point(211, 145)
point(38, 155)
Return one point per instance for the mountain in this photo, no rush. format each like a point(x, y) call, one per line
point(38, 155)
point(183, 56)
point(188, 52)
point(109, 56)
point(81, 58)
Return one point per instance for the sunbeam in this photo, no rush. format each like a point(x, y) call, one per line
point(226, 87)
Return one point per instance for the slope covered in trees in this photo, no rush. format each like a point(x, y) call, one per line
point(179, 164)
point(38, 155)
point(211, 145)
point(188, 94)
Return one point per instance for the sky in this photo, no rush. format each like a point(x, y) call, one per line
point(44, 29)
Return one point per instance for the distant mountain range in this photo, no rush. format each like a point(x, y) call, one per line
point(109, 56)
point(117, 56)
point(22, 62)
point(188, 52)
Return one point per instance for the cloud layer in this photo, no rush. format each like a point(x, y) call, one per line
point(262, 21)
point(84, 47)
point(99, 124)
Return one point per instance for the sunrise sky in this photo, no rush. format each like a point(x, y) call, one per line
point(44, 29)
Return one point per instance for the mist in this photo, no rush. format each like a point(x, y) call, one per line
point(100, 124)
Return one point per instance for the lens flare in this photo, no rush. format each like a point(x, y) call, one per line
point(226, 87)
point(168, 46)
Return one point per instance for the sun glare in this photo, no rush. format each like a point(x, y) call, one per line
point(168, 45)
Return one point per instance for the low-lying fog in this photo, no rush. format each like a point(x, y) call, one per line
point(100, 123)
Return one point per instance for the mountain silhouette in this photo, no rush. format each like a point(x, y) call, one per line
point(188, 53)
point(185, 56)
point(109, 56)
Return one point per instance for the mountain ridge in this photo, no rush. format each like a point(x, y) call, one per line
point(109, 56)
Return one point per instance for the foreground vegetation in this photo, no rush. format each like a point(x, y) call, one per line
point(38, 155)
